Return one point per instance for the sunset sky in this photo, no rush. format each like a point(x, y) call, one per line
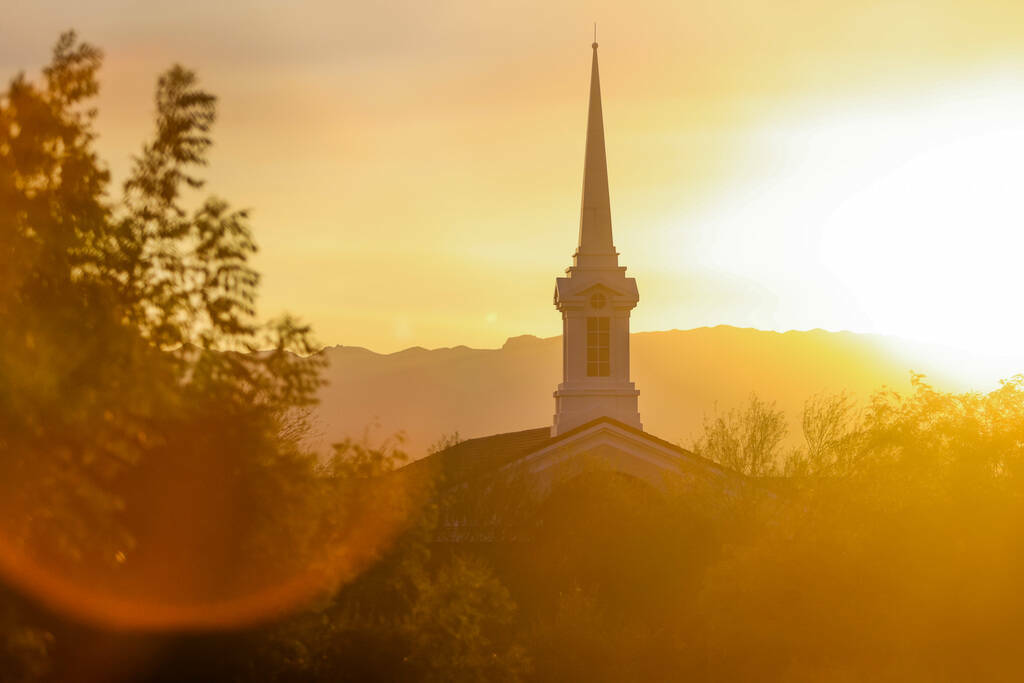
point(414, 168)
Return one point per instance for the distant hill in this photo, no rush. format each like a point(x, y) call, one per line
point(681, 375)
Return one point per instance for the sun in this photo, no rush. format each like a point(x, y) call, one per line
point(932, 244)
point(895, 215)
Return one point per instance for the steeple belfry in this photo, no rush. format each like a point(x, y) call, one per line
point(595, 300)
point(595, 243)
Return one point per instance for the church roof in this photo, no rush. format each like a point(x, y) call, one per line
point(473, 457)
point(468, 468)
point(480, 456)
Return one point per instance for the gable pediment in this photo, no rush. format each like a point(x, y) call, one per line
point(613, 446)
point(519, 469)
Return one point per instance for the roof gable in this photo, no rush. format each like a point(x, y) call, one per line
point(537, 451)
point(620, 447)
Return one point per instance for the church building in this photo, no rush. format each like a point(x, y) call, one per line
point(596, 417)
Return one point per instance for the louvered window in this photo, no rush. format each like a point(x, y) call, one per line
point(597, 347)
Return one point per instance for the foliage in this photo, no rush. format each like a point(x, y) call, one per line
point(746, 441)
point(898, 561)
point(829, 426)
point(150, 426)
point(25, 649)
point(354, 460)
point(458, 626)
point(417, 613)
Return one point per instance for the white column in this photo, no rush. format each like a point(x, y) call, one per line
point(620, 346)
point(576, 350)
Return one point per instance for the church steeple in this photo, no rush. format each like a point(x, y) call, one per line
point(595, 243)
point(595, 300)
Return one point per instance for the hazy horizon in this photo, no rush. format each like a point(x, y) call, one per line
point(954, 368)
point(416, 182)
point(683, 377)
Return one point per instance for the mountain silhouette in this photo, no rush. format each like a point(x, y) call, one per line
point(682, 375)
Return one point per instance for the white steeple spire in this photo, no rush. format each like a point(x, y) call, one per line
point(595, 245)
point(595, 300)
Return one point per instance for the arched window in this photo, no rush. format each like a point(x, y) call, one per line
point(597, 347)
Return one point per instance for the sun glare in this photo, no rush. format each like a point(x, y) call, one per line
point(898, 216)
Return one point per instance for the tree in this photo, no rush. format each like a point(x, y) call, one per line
point(747, 441)
point(830, 425)
point(24, 648)
point(897, 556)
point(151, 432)
point(153, 472)
point(416, 613)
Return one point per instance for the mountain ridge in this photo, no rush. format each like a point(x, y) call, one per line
point(682, 376)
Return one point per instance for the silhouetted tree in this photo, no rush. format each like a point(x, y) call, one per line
point(418, 613)
point(148, 440)
point(898, 565)
point(830, 424)
point(747, 441)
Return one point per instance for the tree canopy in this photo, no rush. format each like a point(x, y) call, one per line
point(134, 367)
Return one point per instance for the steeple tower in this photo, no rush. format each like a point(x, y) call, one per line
point(595, 300)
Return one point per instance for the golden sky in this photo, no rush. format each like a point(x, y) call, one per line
point(414, 168)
